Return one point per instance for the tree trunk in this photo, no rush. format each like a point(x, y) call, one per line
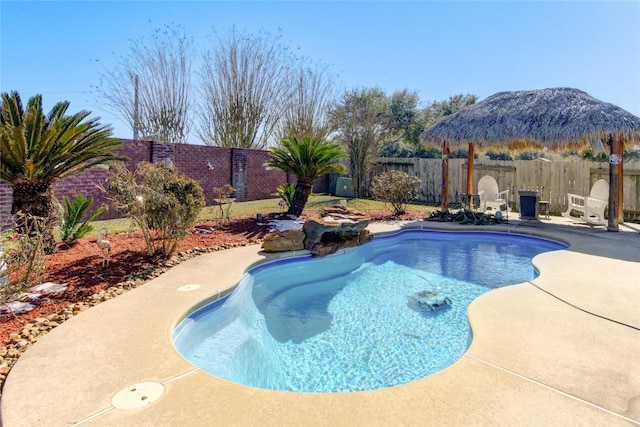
point(35, 199)
point(300, 197)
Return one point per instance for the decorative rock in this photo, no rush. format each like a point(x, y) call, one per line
point(337, 228)
point(283, 241)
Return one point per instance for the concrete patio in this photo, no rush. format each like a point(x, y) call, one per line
point(561, 350)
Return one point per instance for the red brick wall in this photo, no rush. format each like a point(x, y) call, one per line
point(210, 166)
point(136, 151)
point(262, 183)
point(87, 183)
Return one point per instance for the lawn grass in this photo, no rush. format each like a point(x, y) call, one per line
point(264, 207)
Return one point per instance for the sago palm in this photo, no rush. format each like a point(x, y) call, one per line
point(37, 150)
point(306, 159)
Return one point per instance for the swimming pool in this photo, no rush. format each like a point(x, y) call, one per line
point(354, 321)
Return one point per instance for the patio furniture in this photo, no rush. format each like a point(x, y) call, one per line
point(491, 198)
point(544, 206)
point(529, 204)
point(592, 206)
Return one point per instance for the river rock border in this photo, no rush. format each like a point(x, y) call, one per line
point(19, 342)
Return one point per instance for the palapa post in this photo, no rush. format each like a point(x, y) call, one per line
point(470, 170)
point(445, 175)
point(615, 182)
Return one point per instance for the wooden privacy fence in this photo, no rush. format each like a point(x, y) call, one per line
point(552, 179)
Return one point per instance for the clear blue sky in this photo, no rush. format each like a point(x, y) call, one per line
point(436, 48)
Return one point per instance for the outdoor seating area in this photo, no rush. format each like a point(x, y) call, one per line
point(592, 206)
point(491, 198)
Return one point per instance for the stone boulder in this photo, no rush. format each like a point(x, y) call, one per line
point(283, 241)
point(337, 228)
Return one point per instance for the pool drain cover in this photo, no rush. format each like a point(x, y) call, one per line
point(137, 395)
point(189, 288)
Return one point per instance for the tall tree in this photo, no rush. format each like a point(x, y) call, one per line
point(37, 150)
point(410, 121)
point(362, 121)
point(307, 159)
point(243, 84)
point(439, 109)
point(404, 114)
point(161, 70)
point(311, 94)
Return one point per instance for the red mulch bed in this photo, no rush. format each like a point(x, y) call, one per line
point(80, 266)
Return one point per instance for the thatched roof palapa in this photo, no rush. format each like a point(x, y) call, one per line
point(556, 119)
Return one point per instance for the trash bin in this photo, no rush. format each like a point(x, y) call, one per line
point(528, 204)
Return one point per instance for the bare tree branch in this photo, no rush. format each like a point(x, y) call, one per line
point(163, 67)
point(313, 93)
point(243, 84)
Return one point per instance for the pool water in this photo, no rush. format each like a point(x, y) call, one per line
point(351, 321)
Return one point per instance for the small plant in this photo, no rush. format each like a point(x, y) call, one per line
point(72, 225)
point(22, 267)
point(395, 188)
point(222, 196)
point(286, 192)
point(163, 204)
point(464, 216)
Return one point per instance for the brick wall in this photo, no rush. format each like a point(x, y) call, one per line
point(210, 166)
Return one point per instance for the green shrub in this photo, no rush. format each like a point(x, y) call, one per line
point(464, 216)
point(286, 192)
point(163, 204)
point(72, 225)
point(395, 188)
point(22, 267)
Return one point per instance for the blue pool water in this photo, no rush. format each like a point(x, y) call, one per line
point(350, 321)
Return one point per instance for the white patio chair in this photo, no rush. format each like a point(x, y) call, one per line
point(592, 206)
point(491, 198)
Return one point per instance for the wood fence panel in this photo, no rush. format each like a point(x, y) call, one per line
point(631, 190)
point(457, 179)
point(430, 173)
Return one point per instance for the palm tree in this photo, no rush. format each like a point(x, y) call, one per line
point(37, 150)
point(307, 159)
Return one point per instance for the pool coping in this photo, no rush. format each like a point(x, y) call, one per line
point(559, 350)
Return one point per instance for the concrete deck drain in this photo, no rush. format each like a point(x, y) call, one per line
point(137, 395)
point(189, 288)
